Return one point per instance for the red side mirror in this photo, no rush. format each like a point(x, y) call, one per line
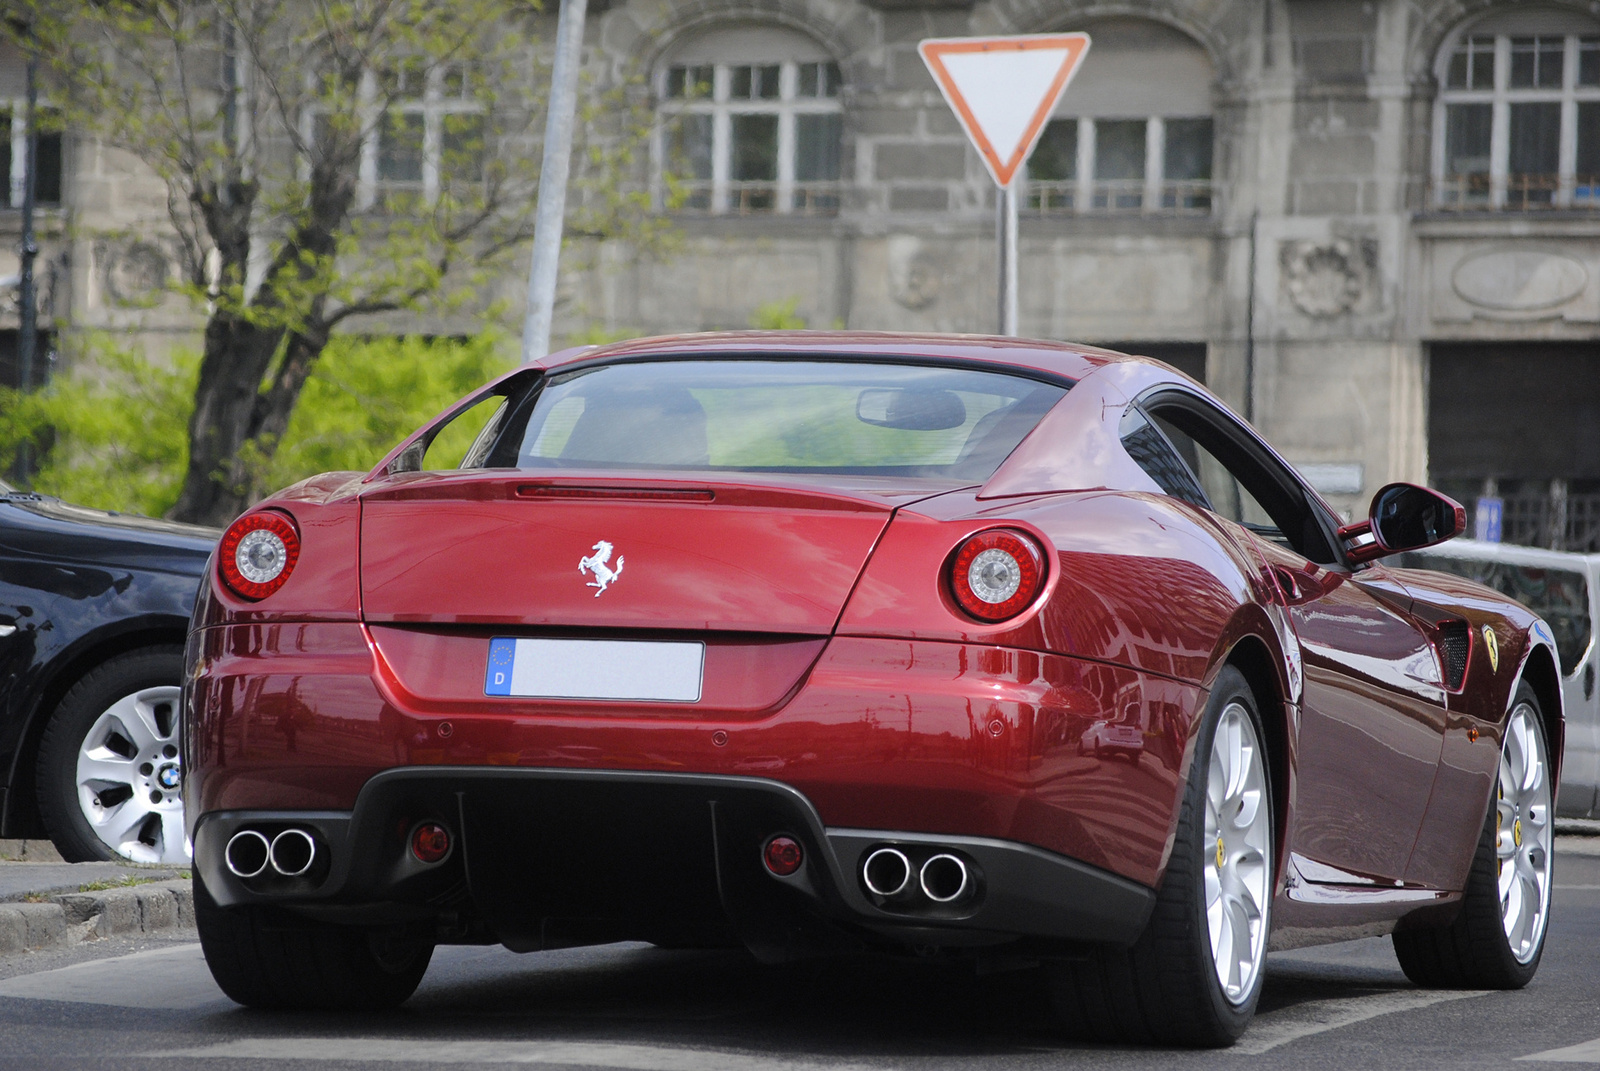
point(1404, 516)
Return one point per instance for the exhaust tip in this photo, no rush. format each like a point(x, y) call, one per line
point(886, 872)
point(247, 854)
point(945, 879)
point(292, 852)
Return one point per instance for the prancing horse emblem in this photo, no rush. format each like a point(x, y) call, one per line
point(595, 563)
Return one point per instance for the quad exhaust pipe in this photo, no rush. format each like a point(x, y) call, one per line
point(887, 872)
point(290, 854)
point(943, 878)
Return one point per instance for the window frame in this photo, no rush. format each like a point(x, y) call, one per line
point(435, 107)
point(16, 109)
point(726, 195)
point(1452, 192)
point(1155, 192)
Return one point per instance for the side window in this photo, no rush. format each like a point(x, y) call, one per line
point(1153, 453)
point(1241, 479)
point(462, 442)
point(1229, 497)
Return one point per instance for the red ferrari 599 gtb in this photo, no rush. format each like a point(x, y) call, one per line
point(817, 643)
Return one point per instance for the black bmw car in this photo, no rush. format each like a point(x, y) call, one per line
point(93, 611)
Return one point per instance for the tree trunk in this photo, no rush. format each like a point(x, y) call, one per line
point(216, 487)
point(231, 411)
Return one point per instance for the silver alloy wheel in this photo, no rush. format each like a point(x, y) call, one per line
point(1523, 834)
point(130, 778)
point(1238, 872)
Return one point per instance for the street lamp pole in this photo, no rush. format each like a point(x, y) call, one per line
point(553, 171)
point(28, 336)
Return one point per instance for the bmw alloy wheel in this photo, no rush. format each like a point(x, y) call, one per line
point(1523, 834)
point(129, 777)
point(1238, 871)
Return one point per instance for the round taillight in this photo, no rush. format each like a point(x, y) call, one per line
point(783, 856)
point(430, 842)
point(257, 553)
point(996, 574)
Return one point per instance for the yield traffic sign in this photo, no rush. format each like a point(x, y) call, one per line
point(1003, 89)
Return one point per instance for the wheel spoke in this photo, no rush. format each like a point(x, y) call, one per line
point(173, 841)
point(107, 768)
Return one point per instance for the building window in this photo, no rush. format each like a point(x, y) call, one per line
point(429, 139)
point(1133, 133)
point(751, 137)
point(1518, 122)
point(14, 155)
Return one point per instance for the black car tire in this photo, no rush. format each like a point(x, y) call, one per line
point(1472, 951)
point(264, 957)
point(1164, 989)
point(56, 771)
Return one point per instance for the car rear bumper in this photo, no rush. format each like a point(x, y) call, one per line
point(549, 857)
point(929, 737)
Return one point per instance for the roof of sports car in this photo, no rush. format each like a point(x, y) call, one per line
point(1060, 358)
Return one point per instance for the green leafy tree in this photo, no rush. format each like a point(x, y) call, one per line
point(267, 121)
point(112, 434)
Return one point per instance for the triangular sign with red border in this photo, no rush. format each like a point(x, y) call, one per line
point(1003, 89)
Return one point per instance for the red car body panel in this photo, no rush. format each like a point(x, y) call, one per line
point(839, 665)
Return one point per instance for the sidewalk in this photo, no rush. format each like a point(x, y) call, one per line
point(47, 903)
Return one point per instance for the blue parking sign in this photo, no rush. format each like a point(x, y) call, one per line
point(1487, 516)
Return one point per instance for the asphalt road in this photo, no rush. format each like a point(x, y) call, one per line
point(151, 1004)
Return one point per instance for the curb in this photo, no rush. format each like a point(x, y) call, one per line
point(67, 919)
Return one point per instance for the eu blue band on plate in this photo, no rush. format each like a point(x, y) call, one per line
point(497, 678)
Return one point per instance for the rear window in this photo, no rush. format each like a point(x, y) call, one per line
point(1560, 596)
point(775, 416)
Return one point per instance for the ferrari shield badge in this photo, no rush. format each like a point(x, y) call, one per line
point(1490, 644)
point(597, 565)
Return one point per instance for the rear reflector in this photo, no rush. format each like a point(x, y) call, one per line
point(783, 856)
point(430, 842)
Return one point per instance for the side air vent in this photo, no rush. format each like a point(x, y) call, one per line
point(1454, 640)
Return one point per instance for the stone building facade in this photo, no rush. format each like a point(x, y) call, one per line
point(1370, 225)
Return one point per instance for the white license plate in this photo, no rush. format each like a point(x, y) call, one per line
point(595, 669)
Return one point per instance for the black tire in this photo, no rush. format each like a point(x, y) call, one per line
point(56, 771)
point(1473, 951)
point(1164, 989)
point(267, 958)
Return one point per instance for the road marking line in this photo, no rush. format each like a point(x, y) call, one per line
point(571, 1053)
point(124, 981)
point(1587, 1052)
point(1319, 1016)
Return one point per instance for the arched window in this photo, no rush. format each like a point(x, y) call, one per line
point(1133, 132)
point(1517, 125)
point(14, 138)
point(750, 123)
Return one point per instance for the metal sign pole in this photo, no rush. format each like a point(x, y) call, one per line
point(1006, 235)
point(553, 173)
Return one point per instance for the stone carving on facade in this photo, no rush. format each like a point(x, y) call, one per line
point(50, 276)
point(134, 273)
point(1518, 281)
point(1327, 278)
point(915, 274)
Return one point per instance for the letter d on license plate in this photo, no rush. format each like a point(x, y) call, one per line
point(595, 669)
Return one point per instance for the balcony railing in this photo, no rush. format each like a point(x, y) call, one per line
point(1515, 193)
point(759, 198)
point(1119, 197)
